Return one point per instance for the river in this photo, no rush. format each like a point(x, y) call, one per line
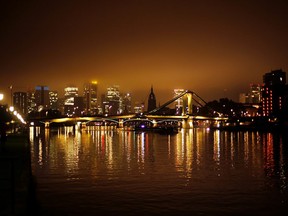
point(108, 171)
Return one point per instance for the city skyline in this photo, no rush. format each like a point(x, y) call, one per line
point(214, 49)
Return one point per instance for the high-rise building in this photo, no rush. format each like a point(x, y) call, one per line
point(53, 97)
point(70, 93)
point(254, 96)
point(79, 106)
point(42, 97)
point(126, 104)
point(151, 101)
point(90, 97)
point(31, 105)
point(20, 102)
point(111, 101)
point(273, 92)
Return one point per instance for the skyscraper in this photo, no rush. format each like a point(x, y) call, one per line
point(254, 96)
point(31, 105)
point(70, 93)
point(90, 97)
point(53, 98)
point(111, 101)
point(127, 104)
point(273, 92)
point(20, 102)
point(151, 100)
point(42, 97)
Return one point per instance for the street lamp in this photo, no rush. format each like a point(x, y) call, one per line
point(1, 96)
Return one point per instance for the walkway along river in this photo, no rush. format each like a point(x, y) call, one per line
point(108, 171)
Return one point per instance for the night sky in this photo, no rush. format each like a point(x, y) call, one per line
point(215, 48)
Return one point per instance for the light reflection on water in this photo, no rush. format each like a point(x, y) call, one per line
point(200, 171)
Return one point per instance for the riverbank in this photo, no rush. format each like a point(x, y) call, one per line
point(17, 186)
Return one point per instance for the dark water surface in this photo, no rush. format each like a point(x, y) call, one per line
point(106, 171)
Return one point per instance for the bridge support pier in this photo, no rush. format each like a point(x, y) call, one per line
point(121, 123)
point(82, 125)
point(187, 123)
point(154, 123)
point(47, 124)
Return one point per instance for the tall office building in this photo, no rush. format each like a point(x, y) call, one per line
point(90, 97)
point(254, 96)
point(151, 101)
point(20, 102)
point(126, 104)
point(42, 97)
point(273, 92)
point(79, 106)
point(31, 105)
point(111, 101)
point(53, 98)
point(70, 93)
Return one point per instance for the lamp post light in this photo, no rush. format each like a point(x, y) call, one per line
point(1, 97)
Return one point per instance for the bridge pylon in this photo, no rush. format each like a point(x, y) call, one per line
point(187, 103)
point(47, 124)
point(187, 123)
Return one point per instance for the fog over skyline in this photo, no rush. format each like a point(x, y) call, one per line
point(215, 48)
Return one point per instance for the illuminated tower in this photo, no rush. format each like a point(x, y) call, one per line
point(255, 94)
point(53, 98)
point(70, 93)
point(90, 97)
point(42, 97)
point(273, 91)
point(111, 101)
point(126, 105)
point(20, 102)
point(179, 101)
point(151, 101)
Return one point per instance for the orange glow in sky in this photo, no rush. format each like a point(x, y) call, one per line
point(215, 48)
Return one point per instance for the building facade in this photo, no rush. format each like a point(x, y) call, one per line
point(70, 93)
point(111, 101)
point(90, 98)
point(53, 98)
point(42, 97)
point(273, 93)
point(20, 102)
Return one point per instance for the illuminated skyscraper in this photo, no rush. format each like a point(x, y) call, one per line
point(20, 102)
point(31, 105)
point(53, 98)
point(111, 101)
point(151, 101)
point(254, 96)
point(70, 93)
point(42, 97)
point(126, 104)
point(273, 91)
point(90, 97)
